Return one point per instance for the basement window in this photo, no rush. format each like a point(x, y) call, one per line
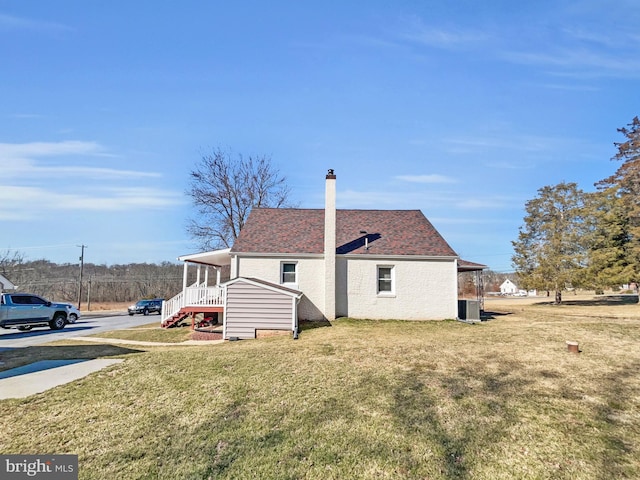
point(386, 280)
point(288, 273)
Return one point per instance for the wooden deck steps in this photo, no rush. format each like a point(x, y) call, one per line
point(191, 312)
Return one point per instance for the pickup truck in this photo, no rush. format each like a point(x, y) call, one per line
point(25, 311)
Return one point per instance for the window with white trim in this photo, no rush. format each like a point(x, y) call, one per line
point(288, 273)
point(386, 280)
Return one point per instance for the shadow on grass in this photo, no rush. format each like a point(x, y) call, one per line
point(618, 453)
point(609, 300)
point(487, 315)
point(418, 407)
point(17, 357)
point(15, 335)
point(311, 325)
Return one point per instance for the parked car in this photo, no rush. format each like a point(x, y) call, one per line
point(73, 314)
point(146, 307)
point(25, 311)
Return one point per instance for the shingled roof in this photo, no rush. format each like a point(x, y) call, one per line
point(300, 231)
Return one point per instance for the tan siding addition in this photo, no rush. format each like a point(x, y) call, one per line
point(250, 307)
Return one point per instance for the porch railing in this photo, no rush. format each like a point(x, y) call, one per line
point(210, 296)
point(193, 296)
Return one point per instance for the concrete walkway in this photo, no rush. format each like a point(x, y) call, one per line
point(40, 376)
point(120, 341)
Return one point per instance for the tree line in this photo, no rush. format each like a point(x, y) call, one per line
point(573, 238)
point(100, 283)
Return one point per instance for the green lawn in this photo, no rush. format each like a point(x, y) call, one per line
point(150, 333)
point(359, 399)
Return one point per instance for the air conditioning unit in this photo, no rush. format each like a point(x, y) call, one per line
point(469, 310)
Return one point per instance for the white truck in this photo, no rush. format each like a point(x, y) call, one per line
point(25, 311)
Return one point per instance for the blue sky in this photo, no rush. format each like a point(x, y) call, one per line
point(460, 109)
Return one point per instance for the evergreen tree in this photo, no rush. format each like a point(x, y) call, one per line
point(626, 180)
point(608, 240)
point(550, 253)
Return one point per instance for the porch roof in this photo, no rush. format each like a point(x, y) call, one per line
point(218, 258)
point(467, 266)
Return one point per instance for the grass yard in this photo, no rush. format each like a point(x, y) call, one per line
point(361, 399)
point(150, 333)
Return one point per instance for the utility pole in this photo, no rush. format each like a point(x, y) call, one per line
point(81, 271)
point(89, 293)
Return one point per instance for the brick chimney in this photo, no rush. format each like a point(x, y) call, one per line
point(330, 247)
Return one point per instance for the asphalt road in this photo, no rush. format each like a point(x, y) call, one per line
point(88, 324)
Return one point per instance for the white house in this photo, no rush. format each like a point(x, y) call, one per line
point(508, 288)
point(320, 264)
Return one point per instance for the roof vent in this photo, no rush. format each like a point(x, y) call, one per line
point(366, 239)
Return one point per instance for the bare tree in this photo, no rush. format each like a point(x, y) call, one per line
point(224, 188)
point(9, 260)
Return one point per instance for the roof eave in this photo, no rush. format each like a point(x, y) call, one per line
point(216, 258)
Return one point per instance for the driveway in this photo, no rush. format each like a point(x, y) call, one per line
point(88, 324)
point(40, 376)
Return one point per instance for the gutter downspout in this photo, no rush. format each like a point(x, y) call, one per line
point(296, 327)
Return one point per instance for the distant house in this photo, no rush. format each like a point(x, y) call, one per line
point(508, 288)
point(291, 264)
point(5, 284)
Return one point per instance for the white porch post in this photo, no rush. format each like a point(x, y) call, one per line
point(184, 277)
point(218, 275)
point(198, 276)
point(206, 276)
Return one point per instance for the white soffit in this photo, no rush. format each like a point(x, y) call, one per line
point(214, 257)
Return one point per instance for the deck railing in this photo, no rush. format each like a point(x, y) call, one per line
point(193, 296)
point(210, 296)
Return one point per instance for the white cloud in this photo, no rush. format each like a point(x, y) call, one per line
point(11, 22)
point(523, 147)
point(26, 116)
point(21, 168)
point(531, 143)
point(586, 52)
point(580, 61)
point(41, 149)
point(27, 203)
point(434, 178)
point(437, 37)
point(605, 49)
point(483, 203)
point(426, 198)
point(571, 87)
point(97, 173)
point(510, 165)
point(413, 29)
point(19, 160)
point(31, 186)
point(595, 38)
point(377, 199)
point(469, 220)
point(394, 199)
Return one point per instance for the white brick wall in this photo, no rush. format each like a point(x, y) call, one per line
point(424, 289)
point(310, 280)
